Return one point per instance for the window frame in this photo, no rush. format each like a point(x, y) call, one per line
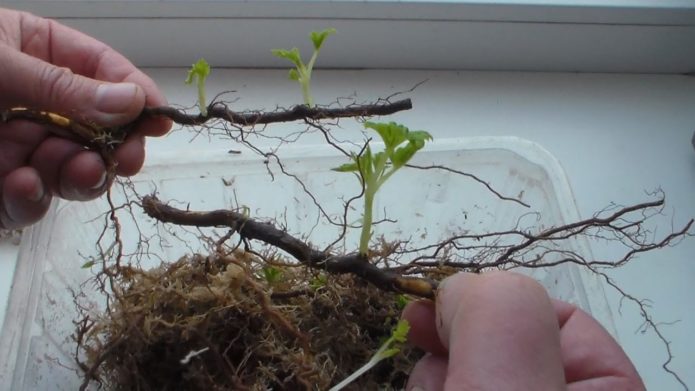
point(630, 36)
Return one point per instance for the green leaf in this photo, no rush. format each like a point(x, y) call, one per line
point(419, 135)
point(402, 155)
point(292, 55)
point(318, 282)
point(88, 264)
point(379, 159)
point(398, 336)
point(400, 332)
point(365, 163)
point(391, 133)
point(347, 167)
point(317, 37)
point(272, 274)
point(416, 140)
point(200, 69)
point(401, 301)
point(294, 75)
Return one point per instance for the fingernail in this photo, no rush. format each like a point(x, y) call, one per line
point(38, 193)
point(101, 182)
point(115, 98)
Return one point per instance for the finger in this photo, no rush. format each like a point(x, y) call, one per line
point(591, 357)
point(153, 126)
point(55, 43)
point(24, 200)
point(83, 177)
point(19, 136)
point(428, 374)
point(130, 156)
point(68, 170)
point(48, 160)
point(65, 47)
point(421, 316)
point(38, 84)
point(501, 331)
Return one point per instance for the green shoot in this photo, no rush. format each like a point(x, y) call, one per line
point(88, 264)
point(389, 349)
point(302, 72)
point(318, 282)
point(400, 144)
point(200, 71)
point(272, 274)
point(402, 301)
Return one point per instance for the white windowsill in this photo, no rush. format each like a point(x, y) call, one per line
point(586, 36)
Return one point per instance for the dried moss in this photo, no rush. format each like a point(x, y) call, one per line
point(241, 329)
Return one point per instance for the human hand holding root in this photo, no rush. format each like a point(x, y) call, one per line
point(501, 331)
point(50, 67)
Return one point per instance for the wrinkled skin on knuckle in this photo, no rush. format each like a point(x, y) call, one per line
point(55, 83)
point(9, 25)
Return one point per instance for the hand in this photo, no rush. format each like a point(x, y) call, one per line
point(500, 331)
point(48, 66)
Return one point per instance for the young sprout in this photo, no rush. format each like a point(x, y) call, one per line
point(272, 274)
point(302, 72)
point(400, 144)
point(389, 349)
point(88, 264)
point(200, 71)
point(318, 282)
point(402, 301)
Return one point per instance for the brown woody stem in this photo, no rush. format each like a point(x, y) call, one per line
point(218, 110)
point(251, 229)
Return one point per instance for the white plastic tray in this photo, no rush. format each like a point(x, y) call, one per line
point(36, 336)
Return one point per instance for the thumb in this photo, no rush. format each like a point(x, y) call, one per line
point(32, 82)
point(501, 331)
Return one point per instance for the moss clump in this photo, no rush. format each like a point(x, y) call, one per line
point(222, 322)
